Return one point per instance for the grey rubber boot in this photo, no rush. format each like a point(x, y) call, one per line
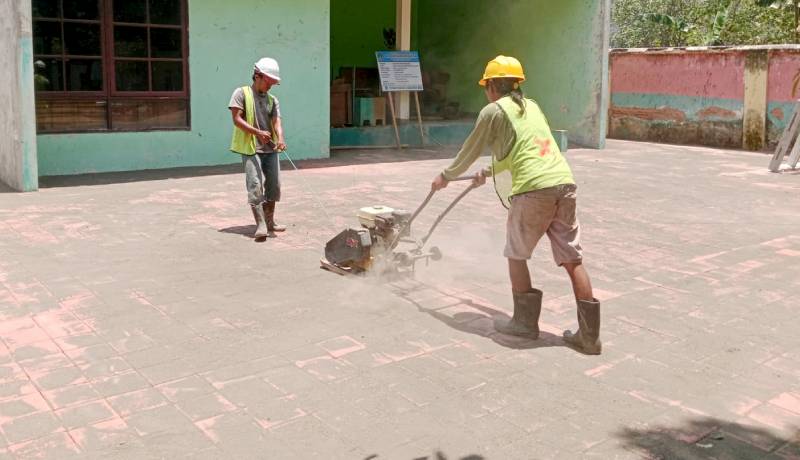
point(269, 213)
point(587, 337)
point(525, 322)
point(261, 225)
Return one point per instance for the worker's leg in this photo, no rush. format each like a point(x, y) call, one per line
point(564, 234)
point(528, 219)
point(519, 274)
point(581, 284)
point(254, 180)
point(271, 166)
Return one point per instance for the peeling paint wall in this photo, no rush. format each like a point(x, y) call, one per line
point(562, 45)
point(784, 64)
point(677, 97)
point(224, 41)
point(731, 98)
point(17, 125)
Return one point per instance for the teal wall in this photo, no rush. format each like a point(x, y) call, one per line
point(224, 41)
point(448, 133)
point(777, 124)
point(691, 108)
point(562, 45)
point(357, 31)
point(677, 119)
point(27, 114)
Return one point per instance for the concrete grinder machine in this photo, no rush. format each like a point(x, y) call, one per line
point(384, 244)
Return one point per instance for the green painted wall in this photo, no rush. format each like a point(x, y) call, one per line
point(225, 39)
point(357, 31)
point(562, 45)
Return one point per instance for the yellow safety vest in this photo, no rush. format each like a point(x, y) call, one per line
point(535, 161)
point(243, 142)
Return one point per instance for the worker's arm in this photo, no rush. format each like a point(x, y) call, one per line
point(241, 123)
point(473, 147)
point(280, 143)
point(475, 144)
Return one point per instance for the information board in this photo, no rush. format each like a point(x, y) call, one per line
point(399, 70)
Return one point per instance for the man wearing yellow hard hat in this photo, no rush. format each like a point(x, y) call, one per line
point(534, 181)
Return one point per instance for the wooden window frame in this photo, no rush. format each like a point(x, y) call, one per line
point(110, 94)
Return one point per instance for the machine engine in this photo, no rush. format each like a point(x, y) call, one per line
point(372, 247)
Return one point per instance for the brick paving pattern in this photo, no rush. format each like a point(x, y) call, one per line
point(139, 320)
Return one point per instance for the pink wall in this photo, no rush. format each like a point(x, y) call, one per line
point(783, 65)
point(708, 74)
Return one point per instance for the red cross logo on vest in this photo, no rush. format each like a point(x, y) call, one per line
point(544, 146)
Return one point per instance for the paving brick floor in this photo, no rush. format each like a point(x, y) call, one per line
point(139, 320)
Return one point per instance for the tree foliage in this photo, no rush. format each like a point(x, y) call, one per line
point(656, 23)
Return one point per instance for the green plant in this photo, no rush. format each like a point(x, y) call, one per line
point(792, 5)
point(703, 22)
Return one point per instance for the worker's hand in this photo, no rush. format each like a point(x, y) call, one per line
point(479, 179)
point(263, 136)
point(439, 182)
point(280, 146)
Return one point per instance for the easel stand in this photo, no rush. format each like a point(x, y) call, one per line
point(790, 135)
point(394, 117)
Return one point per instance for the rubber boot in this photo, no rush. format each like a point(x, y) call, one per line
point(525, 322)
point(587, 338)
point(261, 226)
point(269, 212)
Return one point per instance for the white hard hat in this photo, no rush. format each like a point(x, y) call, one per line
point(268, 67)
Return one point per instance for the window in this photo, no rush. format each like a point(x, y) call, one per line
point(110, 65)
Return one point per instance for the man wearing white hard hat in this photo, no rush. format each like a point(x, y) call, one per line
point(258, 138)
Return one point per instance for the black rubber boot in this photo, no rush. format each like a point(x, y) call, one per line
point(261, 225)
point(269, 212)
point(525, 322)
point(587, 338)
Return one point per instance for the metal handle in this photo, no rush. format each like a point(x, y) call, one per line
point(441, 216)
point(425, 203)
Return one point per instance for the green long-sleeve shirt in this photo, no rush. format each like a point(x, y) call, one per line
point(492, 129)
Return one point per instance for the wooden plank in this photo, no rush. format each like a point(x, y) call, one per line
point(394, 120)
point(419, 118)
point(789, 135)
point(795, 155)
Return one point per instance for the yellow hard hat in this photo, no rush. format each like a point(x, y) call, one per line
point(502, 67)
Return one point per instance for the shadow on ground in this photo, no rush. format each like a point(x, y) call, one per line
point(137, 176)
point(479, 321)
point(373, 156)
point(711, 438)
point(435, 456)
point(243, 230)
point(338, 158)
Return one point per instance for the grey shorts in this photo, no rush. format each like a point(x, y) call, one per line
point(262, 177)
point(551, 211)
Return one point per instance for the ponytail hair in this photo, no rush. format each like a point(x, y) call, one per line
point(509, 87)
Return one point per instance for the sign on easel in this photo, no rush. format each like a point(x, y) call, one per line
point(400, 71)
